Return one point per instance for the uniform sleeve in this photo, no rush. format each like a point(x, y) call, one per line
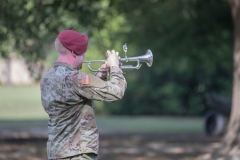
point(95, 88)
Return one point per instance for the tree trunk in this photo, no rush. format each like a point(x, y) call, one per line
point(8, 72)
point(231, 142)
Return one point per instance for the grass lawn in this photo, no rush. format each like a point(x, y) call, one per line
point(20, 108)
point(157, 124)
point(21, 103)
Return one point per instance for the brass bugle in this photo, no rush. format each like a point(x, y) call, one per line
point(147, 58)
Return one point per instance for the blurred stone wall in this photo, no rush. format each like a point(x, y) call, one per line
point(14, 71)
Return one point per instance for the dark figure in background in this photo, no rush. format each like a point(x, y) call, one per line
point(67, 96)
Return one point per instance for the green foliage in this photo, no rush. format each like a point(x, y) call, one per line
point(28, 26)
point(192, 47)
point(191, 42)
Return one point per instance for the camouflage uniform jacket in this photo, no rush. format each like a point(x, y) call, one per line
point(69, 103)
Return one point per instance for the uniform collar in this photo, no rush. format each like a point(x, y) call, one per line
point(65, 65)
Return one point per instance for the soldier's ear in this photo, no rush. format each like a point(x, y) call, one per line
point(74, 55)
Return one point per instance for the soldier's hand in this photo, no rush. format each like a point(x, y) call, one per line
point(104, 74)
point(112, 59)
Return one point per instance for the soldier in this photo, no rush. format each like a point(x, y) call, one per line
point(67, 96)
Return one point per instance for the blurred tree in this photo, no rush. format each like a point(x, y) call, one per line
point(29, 25)
point(192, 45)
point(230, 148)
point(191, 42)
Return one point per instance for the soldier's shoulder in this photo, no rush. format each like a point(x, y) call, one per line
point(87, 79)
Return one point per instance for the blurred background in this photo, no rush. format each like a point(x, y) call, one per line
point(168, 110)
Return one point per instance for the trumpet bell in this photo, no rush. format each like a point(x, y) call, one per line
point(149, 57)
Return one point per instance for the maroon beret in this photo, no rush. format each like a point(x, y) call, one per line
point(74, 41)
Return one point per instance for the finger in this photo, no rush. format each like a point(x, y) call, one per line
point(117, 53)
point(104, 66)
point(113, 52)
point(108, 53)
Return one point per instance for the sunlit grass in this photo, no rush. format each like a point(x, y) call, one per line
point(22, 102)
point(20, 108)
point(148, 124)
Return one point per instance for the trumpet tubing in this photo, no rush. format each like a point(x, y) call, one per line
point(147, 58)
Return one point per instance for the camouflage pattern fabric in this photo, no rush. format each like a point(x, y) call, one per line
point(68, 101)
point(87, 156)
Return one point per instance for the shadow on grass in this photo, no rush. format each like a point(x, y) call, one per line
point(148, 146)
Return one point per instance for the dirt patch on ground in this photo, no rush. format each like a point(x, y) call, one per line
point(120, 147)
